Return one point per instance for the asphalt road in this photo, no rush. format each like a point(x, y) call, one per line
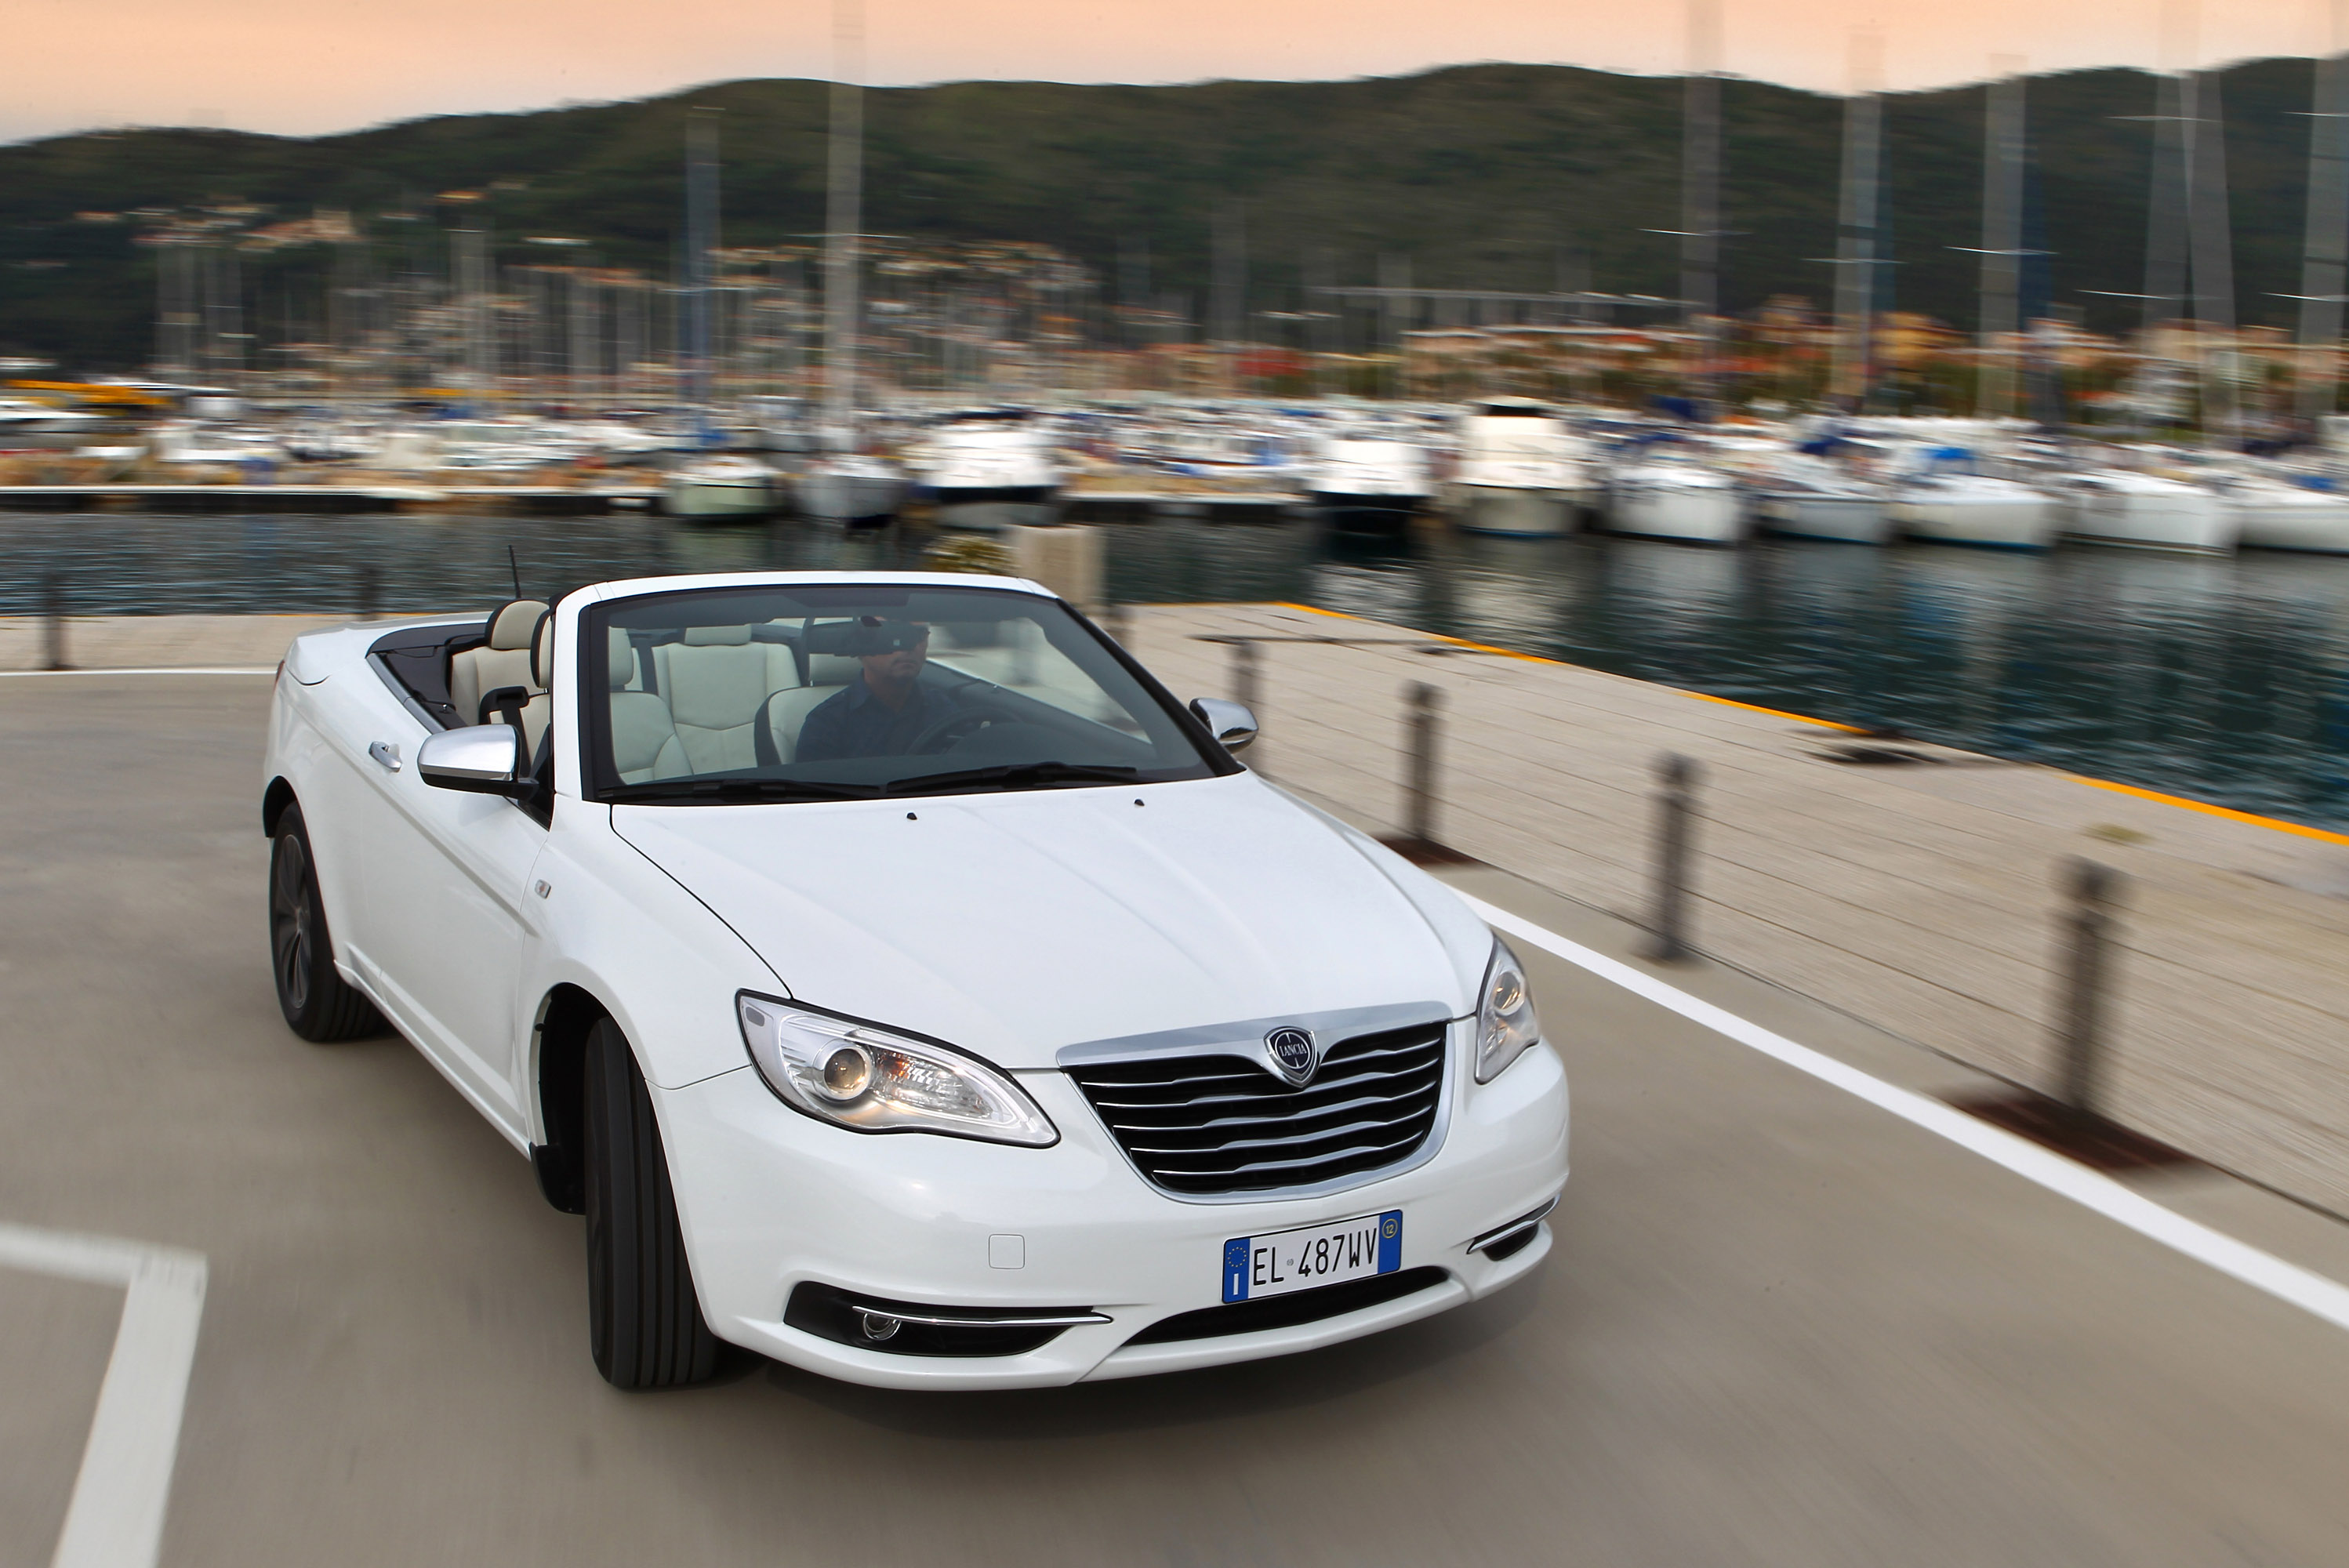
point(1780, 1326)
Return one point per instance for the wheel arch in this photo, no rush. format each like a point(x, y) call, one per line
point(274, 801)
point(559, 1078)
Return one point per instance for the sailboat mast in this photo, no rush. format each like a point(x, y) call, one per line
point(1856, 240)
point(1700, 190)
point(700, 245)
point(2001, 244)
point(2324, 257)
point(843, 221)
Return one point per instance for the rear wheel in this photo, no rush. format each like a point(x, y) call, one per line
point(644, 1319)
point(319, 1003)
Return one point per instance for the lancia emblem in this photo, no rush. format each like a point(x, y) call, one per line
point(1291, 1050)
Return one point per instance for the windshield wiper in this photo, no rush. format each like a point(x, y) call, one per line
point(1014, 776)
point(721, 790)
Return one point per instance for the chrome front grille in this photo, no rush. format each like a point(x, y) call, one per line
point(1209, 1125)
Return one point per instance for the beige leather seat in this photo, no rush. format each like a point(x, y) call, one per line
point(787, 710)
point(715, 682)
point(645, 742)
point(504, 662)
point(536, 712)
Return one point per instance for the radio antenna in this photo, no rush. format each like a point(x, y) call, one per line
point(516, 568)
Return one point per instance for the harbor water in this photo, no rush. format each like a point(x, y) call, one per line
point(2225, 680)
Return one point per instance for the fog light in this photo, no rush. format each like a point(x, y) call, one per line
point(877, 1326)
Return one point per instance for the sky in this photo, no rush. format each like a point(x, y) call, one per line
point(304, 66)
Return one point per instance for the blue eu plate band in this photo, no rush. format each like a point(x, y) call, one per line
point(1235, 1255)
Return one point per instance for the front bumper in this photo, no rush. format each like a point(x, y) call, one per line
point(769, 1198)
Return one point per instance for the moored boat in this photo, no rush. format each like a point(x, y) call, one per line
point(1662, 499)
point(1810, 497)
point(990, 469)
point(1521, 472)
point(1974, 509)
point(2147, 512)
point(1370, 483)
point(2272, 513)
point(850, 487)
point(721, 488)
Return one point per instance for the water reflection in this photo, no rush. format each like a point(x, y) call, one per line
point(2227, 680)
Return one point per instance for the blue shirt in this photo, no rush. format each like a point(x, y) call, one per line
point(853, 722)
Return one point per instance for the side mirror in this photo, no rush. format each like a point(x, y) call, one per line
point(481, 760)
point(1229, 722)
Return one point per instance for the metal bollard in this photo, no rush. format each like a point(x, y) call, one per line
point(1120, 619)
point(1244, 692)
point(2093, 889)
point(53, 621)
point(369, 596)
point(1422, 737)
point(1676, 813)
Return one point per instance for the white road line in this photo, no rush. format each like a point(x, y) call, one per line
point(168, 670)
point(2311, 1293)
point(116, 1516)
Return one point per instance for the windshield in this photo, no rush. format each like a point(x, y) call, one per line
point(822, 692)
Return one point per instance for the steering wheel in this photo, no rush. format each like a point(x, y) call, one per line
point(943, 734)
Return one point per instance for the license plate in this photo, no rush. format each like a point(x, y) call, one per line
point(1257, 1266)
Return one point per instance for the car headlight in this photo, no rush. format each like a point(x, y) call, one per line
point(861, 1076)
point(1506, 1024)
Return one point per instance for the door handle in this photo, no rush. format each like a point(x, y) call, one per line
point(386, 753)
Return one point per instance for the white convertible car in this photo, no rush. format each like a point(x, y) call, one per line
point(902, 984)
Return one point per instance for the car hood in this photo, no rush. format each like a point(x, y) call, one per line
point(1016, 924)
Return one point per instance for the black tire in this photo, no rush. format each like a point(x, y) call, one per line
point(319, 1003)
point(644, 1320)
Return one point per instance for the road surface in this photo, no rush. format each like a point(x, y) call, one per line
point(1780, 1326)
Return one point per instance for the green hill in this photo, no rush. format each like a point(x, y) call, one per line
point(1482, 175)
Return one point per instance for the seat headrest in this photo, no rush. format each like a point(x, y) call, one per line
point(511, 628)
point(624, 659)
point(716, 637)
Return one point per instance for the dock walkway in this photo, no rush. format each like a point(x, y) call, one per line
point(1921, 897)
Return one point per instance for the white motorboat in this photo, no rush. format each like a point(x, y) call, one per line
point(1810, 497)
point(718, 488)
point(990, 470)
point(2149, 511)
point(1370, 483)
point(1522, 471)
point(1974, 509)
point(1653, 497)
point(2275, 513)
point(185, 441)
point(25, 425)
point(850, 487)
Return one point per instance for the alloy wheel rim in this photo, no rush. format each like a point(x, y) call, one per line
point(289, 922)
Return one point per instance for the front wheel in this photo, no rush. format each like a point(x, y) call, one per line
point(318, 1003)
point(644, 1320)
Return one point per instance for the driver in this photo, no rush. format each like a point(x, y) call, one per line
point(883, 710)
